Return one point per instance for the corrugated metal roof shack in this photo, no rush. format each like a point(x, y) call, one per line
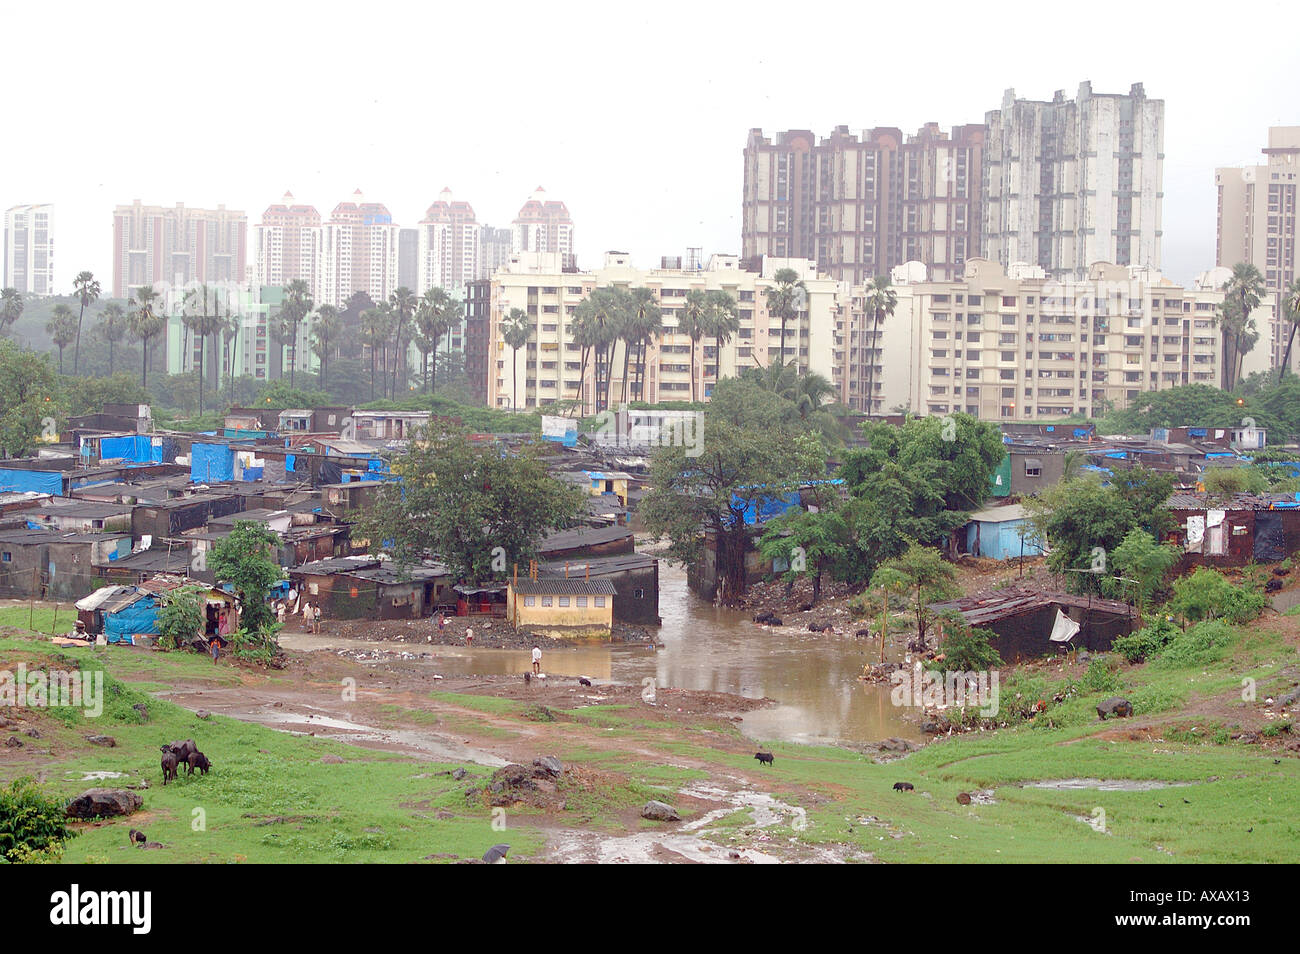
point(363, 587)
point(1022, 620)
point(1218, 531)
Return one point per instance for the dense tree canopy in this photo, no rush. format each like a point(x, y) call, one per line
point(474, 507)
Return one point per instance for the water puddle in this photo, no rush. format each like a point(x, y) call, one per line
point(812, 678)
point(1105, 785)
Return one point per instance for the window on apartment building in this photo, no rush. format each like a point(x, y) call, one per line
point(548, 601)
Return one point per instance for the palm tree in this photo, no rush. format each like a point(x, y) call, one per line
point(229, 347)
point(879, 302)
point(1291, 309)
point(403, 303)
point(203, 323)
point(325, 333)
point(645, 324)
point(786, 299)
point(112, 328)
point(723, 322)
point(515, 331)
point(1241, 296)
point(585, 329)
point(693, 322)
point(87, 291)
point(144, 324)
point(297, 306)
point(374, 332)
point(62, 329)
point(430, 326)
point(11, 308)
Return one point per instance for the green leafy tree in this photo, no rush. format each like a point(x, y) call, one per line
point(181, 616)
point(1140, 559)
point(812, 544)
point(87, 292)
point(432, 321)
point(753, 446)
point(927, 578)
point(245, 559)
point(1084, 522)
point(376, 325)
point(28, 391)
point(468, 505)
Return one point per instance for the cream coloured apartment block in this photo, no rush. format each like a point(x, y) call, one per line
point(1257, 218)
point(1023, 347)
point(549, 368)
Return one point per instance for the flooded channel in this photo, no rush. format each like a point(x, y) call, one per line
point(812, 677)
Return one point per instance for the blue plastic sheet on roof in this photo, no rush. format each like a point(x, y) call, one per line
point(140, 618)
point(1051, 428)
point(1081, 432)
point(1006, 439)
point(761, 508)
point(1197, 432)
point(375, 465)
point(39, 481)
point(1221, 454)
point(1118, 454)
point(132, 447)
point(209, 462)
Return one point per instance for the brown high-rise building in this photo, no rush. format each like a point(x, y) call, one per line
point(860, 206)
point(153, 244)
point(287, 245)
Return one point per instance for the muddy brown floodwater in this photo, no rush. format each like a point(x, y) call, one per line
point(812, 677)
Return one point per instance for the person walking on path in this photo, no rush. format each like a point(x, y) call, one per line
point(315, 619)
point(308, 616)
point(537, 660)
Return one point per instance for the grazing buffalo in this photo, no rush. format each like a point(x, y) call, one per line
point(1115, 706)
point(764, 758)
point(136, 837)
point(169, 764)
point(903, 786)
point(584, 681)
point(198, 760)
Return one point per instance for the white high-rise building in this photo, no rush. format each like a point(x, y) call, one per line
point(543, 225)
point(1073, 182)
point(449, 245)
point(360, 252)
point(29, 249)
point(287, 245)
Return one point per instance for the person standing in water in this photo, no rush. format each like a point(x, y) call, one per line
point(537, 660)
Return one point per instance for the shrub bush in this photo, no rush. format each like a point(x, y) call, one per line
point(1202, 643)
point(32, 824)
point(969, 650)
point(1141, 644)
point(1208, 594)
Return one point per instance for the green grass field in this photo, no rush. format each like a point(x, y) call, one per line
point(270, 798)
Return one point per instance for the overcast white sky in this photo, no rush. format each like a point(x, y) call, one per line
point(634, 115)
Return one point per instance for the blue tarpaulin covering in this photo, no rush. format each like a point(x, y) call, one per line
point(759, 509)
point(209, 462)
point(1196, 432)
point(253, 473)
point(289, 461)
point(132, 447)
point(140, 618)
point(40, 481)
point(1082, 432)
